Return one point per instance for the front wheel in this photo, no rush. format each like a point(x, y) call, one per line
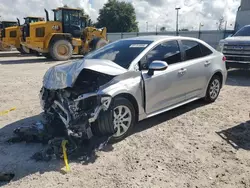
point(120, 122)
point(213, 89)
point(61, 50)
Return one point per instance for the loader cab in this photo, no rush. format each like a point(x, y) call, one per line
point(28, 20)
point(26, 26)
point(5, 24)
point(71, 20)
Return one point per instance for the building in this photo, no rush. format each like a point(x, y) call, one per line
point(243, 15)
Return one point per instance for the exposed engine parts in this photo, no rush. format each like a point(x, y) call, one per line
point(78, 114)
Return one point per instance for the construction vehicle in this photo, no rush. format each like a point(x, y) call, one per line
point(68, 34)
point(3, 26)
point(13, 35)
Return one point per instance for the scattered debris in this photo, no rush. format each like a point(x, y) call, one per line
point(6, 177)
point(65, 157)
point(34, 133)
point(5, 112)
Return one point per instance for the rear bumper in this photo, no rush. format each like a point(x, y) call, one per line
point(235, 64)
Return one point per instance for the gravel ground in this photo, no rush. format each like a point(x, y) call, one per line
point(181, 148)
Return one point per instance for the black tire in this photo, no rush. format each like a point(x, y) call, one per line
point(209, 96)
point(23, 50)
point(105, 122)
point(97, 43)
point(47, 56)
point(54, 50)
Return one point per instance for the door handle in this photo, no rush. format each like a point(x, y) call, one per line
point(182, 71)
point(207, 63)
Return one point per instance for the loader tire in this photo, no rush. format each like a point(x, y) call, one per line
point(97, 43)
point(61, 50)
point(23, 50)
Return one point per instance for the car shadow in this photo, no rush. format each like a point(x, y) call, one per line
point(154, 121)
point(238, 77)
point(238, 136)
point(16, 158)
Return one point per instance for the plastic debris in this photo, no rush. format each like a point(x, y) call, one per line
point(5, 112)
point(6, 177)
point(65, 157)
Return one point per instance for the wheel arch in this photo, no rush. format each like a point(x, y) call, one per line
point(57, 36)
point(133, 101)
point(219, 73)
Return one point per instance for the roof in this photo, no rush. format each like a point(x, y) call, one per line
point(33, 17)
point(66, 8)
point(152, 37)
point(155, 38)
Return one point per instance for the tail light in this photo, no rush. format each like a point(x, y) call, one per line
point(224, 59)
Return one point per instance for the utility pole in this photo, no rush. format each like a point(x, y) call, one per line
point(177, 20)
point(201, 25)
point(147, 26)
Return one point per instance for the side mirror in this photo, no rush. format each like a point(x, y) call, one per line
point(157, 66)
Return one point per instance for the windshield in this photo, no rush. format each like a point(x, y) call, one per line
point(8, 24)
point(32, 20)
point(245, 31)
point(58, 15)
point(122, 52)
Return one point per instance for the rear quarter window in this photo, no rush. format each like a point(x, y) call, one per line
point(205, 50)
point(194, 50)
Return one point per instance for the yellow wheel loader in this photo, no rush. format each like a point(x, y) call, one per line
point(13, 36)
point(3, 26)
point(66, 35)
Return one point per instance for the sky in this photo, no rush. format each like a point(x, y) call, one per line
point(158, 13)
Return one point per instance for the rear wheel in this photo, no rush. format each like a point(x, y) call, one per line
point(61, 50)
point(213, 89)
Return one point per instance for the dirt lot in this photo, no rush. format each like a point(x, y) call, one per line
point(181, 148)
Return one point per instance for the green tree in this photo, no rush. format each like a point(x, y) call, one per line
point(118, 17)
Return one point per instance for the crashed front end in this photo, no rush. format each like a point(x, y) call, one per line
point(71, 94)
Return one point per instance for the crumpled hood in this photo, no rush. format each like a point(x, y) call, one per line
point(236, 40)
point(64, 75)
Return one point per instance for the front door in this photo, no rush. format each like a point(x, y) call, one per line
point(165, 88)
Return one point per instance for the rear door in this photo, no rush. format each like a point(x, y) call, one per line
point(197, 59)
point(165, 88)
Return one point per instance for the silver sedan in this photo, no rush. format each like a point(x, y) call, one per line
point(113, 88)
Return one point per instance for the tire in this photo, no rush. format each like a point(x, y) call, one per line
point(63, 54)
point(23, 50)
point(213, 89)
point(105, 124)
point(97, 43)
point(47, 56)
